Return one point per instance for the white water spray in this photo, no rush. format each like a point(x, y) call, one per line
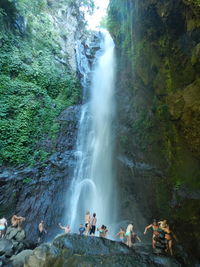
point(93, 185)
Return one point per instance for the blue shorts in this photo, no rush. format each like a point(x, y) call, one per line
point(2, 227)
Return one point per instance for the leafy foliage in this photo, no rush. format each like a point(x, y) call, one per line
point(34, 87)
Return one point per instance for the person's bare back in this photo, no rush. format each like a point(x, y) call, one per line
point(16, 221)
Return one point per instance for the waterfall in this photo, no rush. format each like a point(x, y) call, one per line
point(93, 184)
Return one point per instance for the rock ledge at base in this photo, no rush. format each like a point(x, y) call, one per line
point(75, 250)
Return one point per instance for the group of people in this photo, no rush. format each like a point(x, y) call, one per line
point(162, 232)
point(16, 221)
point(129, 237)
point(162, 235)
point(89, 228)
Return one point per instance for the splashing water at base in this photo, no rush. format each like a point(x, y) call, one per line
point(93, 185)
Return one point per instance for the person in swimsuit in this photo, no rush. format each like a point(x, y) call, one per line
point(93, 224)
point(121, 235)
point(81, 229)
point(102, 231)
point(16, 221)
point(3, 225)
point(105, 232)
point(155, 227)
point(168, 236)
point(66, 228)
point(162, 224)
point(87, 222)
point(41, 231)
point(128, 235)
point(135, 237)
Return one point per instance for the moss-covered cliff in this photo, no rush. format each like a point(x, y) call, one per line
point(38, 75)
point(158, 50)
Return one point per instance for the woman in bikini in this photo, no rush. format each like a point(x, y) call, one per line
point(128, 235)
point(155, 227)
point(102, 231)
point(121, 235)
point(168, 236)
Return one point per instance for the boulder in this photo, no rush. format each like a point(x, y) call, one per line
point(6, 247)
point(15, 234)
point(19, 259)
point(40, 255)
point(74, 250)
point(90, 245)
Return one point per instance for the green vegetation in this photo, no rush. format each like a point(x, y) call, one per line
point(161, 81)
point(34, 85)
point(26, 180)
point(103, 22)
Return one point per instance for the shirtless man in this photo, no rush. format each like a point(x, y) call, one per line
point(93, 224)
point(66, 228)
point(41, 231)
point(16, 221)
point(3, 225)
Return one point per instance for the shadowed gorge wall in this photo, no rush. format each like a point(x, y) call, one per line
point(158, 49)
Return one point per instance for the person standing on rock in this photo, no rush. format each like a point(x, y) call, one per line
point(128, 235)
point(87, 222)
point(102, 231)
point(17, 221)
point(66, 228)
point(162, 224)
point(41, 231)
point(169, 235)
point(121, 235)
point(3, 225)
point(155, 228)
point(81, 229)
point(134, 237)
point(93, 224)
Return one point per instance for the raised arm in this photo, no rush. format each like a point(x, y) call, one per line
point(19, 218)
point(149, 226)
point(117, 234)
point(63, 228)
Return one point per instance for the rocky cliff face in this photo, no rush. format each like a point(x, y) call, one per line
point(39, 44)
point(38, 193)
point(158, 107)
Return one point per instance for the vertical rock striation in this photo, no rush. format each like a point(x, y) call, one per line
point(158, 112)
point(48, 37)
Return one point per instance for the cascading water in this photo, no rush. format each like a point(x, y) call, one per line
point(93, 186)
